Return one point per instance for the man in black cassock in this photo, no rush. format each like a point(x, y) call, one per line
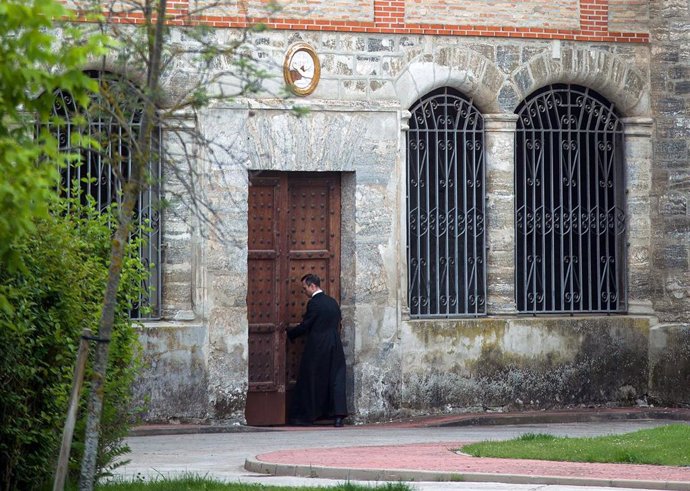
point(320, 389)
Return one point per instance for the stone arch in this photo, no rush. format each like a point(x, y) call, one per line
point(458, 67)
point(107, 65)
point(607, 73)
point(138, 78)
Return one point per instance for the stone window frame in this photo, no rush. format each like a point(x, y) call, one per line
point(497, 95)
point(594, 118)
point(474, 305)
point(104, 188)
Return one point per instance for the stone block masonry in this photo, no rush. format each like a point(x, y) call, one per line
point(324, 10)
point(669, 353)
point(563, 14)
point(629, 15)
point(670, 77)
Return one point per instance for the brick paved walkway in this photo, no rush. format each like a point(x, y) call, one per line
point(440, 457)
point(438, 460)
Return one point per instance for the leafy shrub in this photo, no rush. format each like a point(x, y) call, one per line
point(30, 54)
point(55, 295)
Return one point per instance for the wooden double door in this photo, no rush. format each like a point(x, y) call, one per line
point(293, 229)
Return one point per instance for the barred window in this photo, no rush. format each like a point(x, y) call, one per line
point(445, 207)
point(101, 173)
point(570, 210)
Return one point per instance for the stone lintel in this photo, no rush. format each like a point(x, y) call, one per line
point(503, 122)
point(638, 126)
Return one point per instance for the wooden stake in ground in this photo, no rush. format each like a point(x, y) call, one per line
point(78, 380)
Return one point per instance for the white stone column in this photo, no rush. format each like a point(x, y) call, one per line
point(638, 181)
point(184, 288)
point(404, 308)
point(499, 143)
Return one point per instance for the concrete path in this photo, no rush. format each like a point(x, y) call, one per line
point(417, 451)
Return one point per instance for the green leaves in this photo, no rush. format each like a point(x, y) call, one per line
point(33, 65)
point(56, 294)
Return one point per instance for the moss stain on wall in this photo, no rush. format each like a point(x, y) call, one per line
point(670, 367)
point(598, 360)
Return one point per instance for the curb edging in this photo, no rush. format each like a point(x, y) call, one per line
point(394, 475)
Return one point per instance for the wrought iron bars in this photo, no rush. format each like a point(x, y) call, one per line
point(100, 174)
point(445, 207)
point(570, 219)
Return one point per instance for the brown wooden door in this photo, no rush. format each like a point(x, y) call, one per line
point(293, 229)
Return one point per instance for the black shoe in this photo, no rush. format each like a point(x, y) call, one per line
point(299, 422)
point(338, 422)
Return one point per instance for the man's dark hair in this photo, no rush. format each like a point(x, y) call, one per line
point(311, 279)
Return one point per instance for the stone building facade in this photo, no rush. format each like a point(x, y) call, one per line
point(378, 59)
point(670, 279)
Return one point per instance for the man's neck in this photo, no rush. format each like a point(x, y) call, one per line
point(316, 293)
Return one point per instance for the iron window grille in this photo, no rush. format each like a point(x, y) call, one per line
point(570, 210)
point(101, 174)
point(445, 207)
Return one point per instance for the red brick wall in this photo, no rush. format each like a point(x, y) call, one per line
point(595, 21)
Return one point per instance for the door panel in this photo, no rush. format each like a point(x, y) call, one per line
point(299, 234)
point(314, 240)
point(265, 398)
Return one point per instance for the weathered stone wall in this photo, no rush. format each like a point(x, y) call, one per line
point(356, 125)
point(670, 65)
point(670, 283)
point(525, 362)
point(174, 381)
point(669, 364)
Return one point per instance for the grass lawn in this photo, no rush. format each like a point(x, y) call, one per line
point(200, 483)
point(665, 445)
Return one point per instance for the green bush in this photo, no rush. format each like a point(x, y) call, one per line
point(55, 295)
point(34, 62)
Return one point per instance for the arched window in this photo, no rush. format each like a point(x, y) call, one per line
point(445, 207)
point(570, 218)
point(113, 119)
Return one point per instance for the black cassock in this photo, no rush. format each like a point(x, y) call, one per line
point(320, 389)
